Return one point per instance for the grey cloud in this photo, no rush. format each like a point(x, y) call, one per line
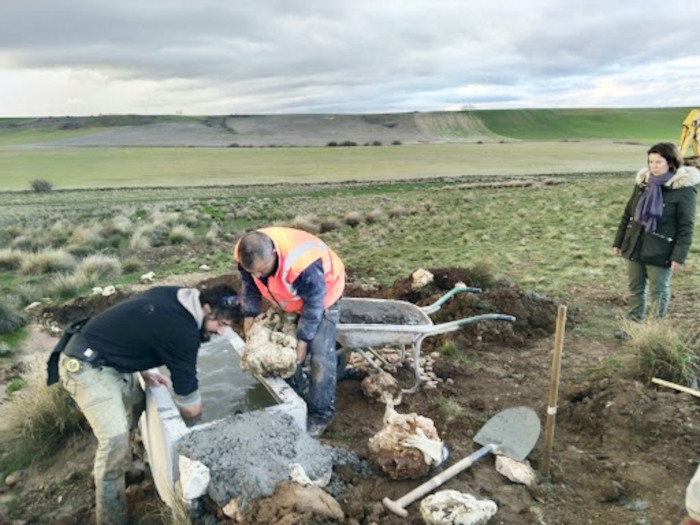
point(297, 55)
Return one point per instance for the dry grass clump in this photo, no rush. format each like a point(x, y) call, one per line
point(25, 242)
point(36, 421)
point(10, 259)
point(47, 261)
point(180, 233)
point(375, 215)
point(117, 225)
point(141, 238)
point(68, 285)
point(354, 219)
point(85, 236)
point(133, 265)
point(665, 350)
point(398, 211)
point(330, 224)
point(11, 320)
point(28, 293)
point(98, 266)
point(309, 223)
point(60, 231)
point(212, 235)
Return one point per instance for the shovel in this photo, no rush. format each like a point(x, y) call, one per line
point(512, 432)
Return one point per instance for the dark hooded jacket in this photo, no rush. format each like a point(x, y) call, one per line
point(674, 233)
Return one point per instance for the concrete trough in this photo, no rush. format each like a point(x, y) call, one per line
point(162, 427)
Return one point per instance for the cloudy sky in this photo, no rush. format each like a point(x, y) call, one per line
point(86, 57)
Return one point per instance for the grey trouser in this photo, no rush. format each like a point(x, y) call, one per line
point(654, 281)
point(108, 399)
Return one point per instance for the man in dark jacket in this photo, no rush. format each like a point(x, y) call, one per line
point(656, 228)
point(161, 326)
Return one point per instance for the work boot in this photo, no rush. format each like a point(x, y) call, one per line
point(621, 335)
point(110, 496)
point(316, 429)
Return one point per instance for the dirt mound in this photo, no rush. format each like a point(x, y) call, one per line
point(535, 313)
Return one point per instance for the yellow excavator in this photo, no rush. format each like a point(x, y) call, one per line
point(690, 136)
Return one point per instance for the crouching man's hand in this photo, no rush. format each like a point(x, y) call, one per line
point(302, 346)
point(155, 378)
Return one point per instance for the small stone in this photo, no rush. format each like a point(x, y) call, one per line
point(12, 479)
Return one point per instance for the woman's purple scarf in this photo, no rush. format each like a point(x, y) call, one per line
point(651, 203)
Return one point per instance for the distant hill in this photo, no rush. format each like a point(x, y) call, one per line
point(346, 130)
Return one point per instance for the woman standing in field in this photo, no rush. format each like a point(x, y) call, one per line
point(656, 229)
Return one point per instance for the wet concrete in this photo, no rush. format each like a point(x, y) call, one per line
point(249, 454)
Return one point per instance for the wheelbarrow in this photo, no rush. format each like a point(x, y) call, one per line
point(366, 323)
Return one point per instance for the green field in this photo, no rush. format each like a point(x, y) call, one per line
point(69, 168)
point(510, 142)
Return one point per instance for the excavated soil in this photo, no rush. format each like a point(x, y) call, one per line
point(622, 452)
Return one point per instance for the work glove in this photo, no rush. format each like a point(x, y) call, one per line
point(434, 451)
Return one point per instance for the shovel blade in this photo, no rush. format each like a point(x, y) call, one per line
point(514, 431)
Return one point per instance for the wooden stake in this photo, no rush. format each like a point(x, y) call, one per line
point(553, 391)
point(682, 388)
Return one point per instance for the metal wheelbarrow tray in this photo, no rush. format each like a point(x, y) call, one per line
point(366, 323)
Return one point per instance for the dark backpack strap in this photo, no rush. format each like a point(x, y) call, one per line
point(52, 363)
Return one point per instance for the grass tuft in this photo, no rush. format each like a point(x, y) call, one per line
point(98, 266)
point(180, 233)
point(10, 259)
point(665, 350)
point(11, 320)
point(47, 261)
point(36, 422)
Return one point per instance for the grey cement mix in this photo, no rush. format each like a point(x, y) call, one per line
point(249, 454)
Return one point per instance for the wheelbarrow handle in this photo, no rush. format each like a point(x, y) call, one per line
point(432, 308)
point(398, 507)
point(450, 326)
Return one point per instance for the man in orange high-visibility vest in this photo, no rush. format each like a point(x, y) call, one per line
point(300, 274)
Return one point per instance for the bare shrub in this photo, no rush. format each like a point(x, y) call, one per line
point(309, 223)
point(354, 219)
point(41, 186)
point(47, 261)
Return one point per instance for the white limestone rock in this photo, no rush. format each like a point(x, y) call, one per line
point(271, 348)
point(451, 507)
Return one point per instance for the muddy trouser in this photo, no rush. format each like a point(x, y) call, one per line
point(692, 496)
point(320, 398)
point(110, 401)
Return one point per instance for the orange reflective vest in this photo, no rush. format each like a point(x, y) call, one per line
point(296, 251)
